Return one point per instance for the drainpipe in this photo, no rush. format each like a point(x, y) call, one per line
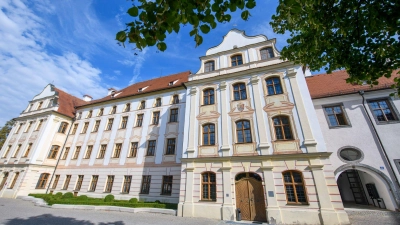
point(59, 157)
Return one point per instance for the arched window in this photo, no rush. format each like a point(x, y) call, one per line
point(294, 187)
point(42, 181)
point(209, 134)
point(158, 102)
point(208, 186)
point(274, 86)
point(236, 60)
point(267, 53)
point(208, 96)
point(243, 131)
point(175, 99)
point(53, 152)
point(209, 66)
point(63, 127)
point(142, 105)
point(282, 128)
point(239, 91)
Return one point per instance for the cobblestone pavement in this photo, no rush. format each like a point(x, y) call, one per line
point(19, 212)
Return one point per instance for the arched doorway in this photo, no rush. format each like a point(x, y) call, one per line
point(250, 196)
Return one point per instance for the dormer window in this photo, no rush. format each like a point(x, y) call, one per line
point(171, 83)
point(30, 108)
point(267, 53)
point(236, 60)
point(209, 66)
point(140, 89)
point(142, 105)
point(112, 94)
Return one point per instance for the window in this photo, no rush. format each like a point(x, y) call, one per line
point(109, 124)
point(79, 116)
point(96, 126)
point(170, 146)
point(209, 187)
point(53, 152)
point(109, 184)
point(28, 127)
point(142, 105)
point(14, 180)
point(101, 111)
point(174, 115)
point(382, 110)
point(294, 187)
point(133, 151)
point(171, 83)
point(79, 183)
point(28, 149)
point(336, 116)
point(102, 151)
point(175, 99)
point(55, 182)
point(124, 122)
point(274, 86)
point(65, 153)
point(113, 110)
point(39, 125)
point(66, 182)
point(40, 105)
point(350, 154)
point(117, 150)
point(63, 127)
point(236, 60)
point(51, 103)
point(89, 115)
point(139, 120)
point(140, 89)
point(166, 185)
point(127, 184)
point(88, 151)
point(30, 108)
point(158, 102)
point(19, 128)
point(42, 181)
point(266, 53)
point(3, 182)
point(208, 96)
point(77, 151)
point(93, 184)
point(145, 187)
point(17, 151)
point(156, 118)
point(74, 128)
point(282, 128)
point(209, 134)
point(7, 151)
point(239, 91)
point(151, 148)
point(127, 107)
point(243, 131)
point(85, 127)
point(209, 66)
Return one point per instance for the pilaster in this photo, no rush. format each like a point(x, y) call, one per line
point(228, 211)
point(192, 125)
point(224, 124)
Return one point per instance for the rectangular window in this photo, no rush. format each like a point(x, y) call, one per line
point(39, 125)
point(174, 115)
point(113, 110)
point(3, 182)
point(166, 185)
point(133, 151)
point(142, 105)
point(79, 116)
point(109, 184)
point(383, 110)
point(124, 122)
point(89, 115)
point(17, 151)
point(109, 124)
point(100, 112)
point(139, 120)
point(117, 150)
point(55, 182)
point(63, 127)
point(93, 184)
point(336, 116)
point(42, 181)
point(14, 180)
point(28, 149)
point(89, 151)
point(175, 99)
point(85, 127)
point(127, 184)
point(28, 127)
point(40, 105)
point(156, 118)
point(96, 126)
point(7, 151)
point(102, 151)
point(79, 183)
point(74, 128)
point(66, 182)
point(19, 128)
point(145, 187)
point(158, 102)
point(77, 151)
point(127, 107)
point(151, 148)
point(170, 146)
point(53, 152)
point(209, 187)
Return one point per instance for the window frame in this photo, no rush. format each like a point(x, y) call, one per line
point(208, 96)
point(155, 119)
point(239, 91)
point(243, 131)
point(102, 152)
point(28, 127)
point(127, 107)
point(16, 151)
point(109, 184)
point(88, 152)
point(89, 115)
point(109, 124)
point(175, 99)
point(206, 68)
point(39, 125)
point(294, 184)
point(7, 151)
point(170, 146)
point(27, 151)
point(42, 182)
point(145, 184)
point(93, 183)
point(101, 112)
point(142, 105)
point(124, 122)
point(126, 185)
point(345, 116)
point(55, 182)
point(85, 127)
point(53, 153)
point(158, 102)
point(79, 182)
point(139, 120)
point(74, 129)
point(391, 106)
point(267, 53)
point(65, 154)
point(113, 110)
point(274, 85)
point(282, 127)
point(67, 181)
point(236, 61)
point(77, 152)
point(148, 150)
point(14, 180)
point(166, 187)
point(117, 151)
point(208, 183)
point(173, 118)
point(132, 150)
point(96, 126)
point(209, 133)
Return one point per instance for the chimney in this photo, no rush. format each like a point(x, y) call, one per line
point(87, 98)
point(111, 90)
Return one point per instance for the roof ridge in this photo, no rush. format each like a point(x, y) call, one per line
point(58, 89)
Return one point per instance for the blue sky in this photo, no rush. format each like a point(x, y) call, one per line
point(71, 43)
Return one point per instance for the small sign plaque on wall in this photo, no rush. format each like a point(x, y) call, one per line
point(271, 194)
point(382, 168)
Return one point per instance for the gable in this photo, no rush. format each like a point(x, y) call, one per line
point(47, 92)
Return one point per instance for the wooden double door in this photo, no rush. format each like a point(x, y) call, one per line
point(250, 199)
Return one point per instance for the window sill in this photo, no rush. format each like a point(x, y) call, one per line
point(341, 126)
point(173, 122)
point(243, 143)
point(170, 154)
point(239, 100)
point(166, 194)
point(143, 193)
point(131, 157)
point(149, 155)
point(386, 122)
point(209, 201)
point(208, 145)
point(124, 193)
point(297, 204)
point(122, 128)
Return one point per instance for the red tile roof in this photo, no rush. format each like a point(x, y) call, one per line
point(152, 85)
point(67, 102)
point(326, 85)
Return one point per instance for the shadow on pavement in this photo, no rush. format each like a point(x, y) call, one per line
point(48, 219)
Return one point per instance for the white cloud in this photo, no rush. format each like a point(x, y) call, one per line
point(266, 29)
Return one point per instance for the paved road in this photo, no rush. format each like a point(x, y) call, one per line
point(375, 217)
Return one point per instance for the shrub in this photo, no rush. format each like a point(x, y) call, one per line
point(83, 197)
point(133, 200)
point(58, 195)
point(67, 195)
point(109, 198)
point(158, 202)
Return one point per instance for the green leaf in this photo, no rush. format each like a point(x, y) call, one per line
point(121, 36)
point(162, 46)
point(250, 4)
point(193, 32)
point(198, 39)
point(245, 15)
point(134, 11)
point(205, 28)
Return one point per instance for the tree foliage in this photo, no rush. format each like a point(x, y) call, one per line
point(4, 131)
point(361, 36)
point(153, 20)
